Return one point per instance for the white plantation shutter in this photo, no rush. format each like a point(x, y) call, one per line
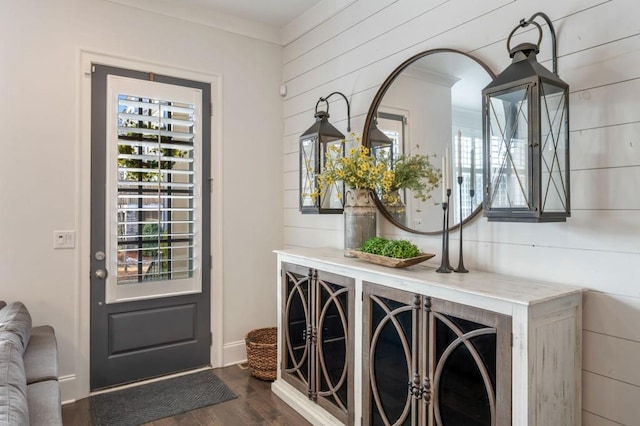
point(154, 182)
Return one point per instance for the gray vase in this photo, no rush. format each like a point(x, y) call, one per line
point(359, 219)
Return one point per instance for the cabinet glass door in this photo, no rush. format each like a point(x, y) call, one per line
point(296, 311)
point(391, 385)
point(317, 357)
point(334, 303)
point(471, 365)
point(432, 362)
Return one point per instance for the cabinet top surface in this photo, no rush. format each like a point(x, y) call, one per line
point(485, 284)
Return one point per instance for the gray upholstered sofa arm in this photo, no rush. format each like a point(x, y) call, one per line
point(29, 388)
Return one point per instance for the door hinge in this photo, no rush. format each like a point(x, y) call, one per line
point(511, 339)
point(210, 339)
point(210, 261)
point(211, 185)
point(211, 109)
point(93, 68)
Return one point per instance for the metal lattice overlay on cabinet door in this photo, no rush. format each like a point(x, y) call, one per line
point(470, 365)
point(332, 343)
point(390, 357)
point(297, 331)
point(317, 357)
point(470, 405)
point(427, 361)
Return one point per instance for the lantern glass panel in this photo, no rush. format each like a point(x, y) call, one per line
point(308, 172)
point(554, 148)
point(509, 144)
point(332, 197)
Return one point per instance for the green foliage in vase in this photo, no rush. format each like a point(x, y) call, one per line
point(399, 249)
point(357, 169)
point(414, 172)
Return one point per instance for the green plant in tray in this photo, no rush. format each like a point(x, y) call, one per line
point(399, 249)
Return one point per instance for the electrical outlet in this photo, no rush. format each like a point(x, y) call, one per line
point(64, 239)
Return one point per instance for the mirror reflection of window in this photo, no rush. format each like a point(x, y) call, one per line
point(467, 159)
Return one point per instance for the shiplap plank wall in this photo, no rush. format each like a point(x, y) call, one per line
point(599, 246)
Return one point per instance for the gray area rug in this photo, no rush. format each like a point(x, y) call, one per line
point(153, 401)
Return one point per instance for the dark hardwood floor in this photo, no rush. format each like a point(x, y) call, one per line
point(255, 405)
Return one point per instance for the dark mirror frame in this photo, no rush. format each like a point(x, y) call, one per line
point(371, 116)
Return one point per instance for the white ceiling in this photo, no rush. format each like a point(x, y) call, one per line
point(277, 13)
point(274, 21)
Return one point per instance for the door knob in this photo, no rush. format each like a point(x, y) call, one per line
point(100, 274)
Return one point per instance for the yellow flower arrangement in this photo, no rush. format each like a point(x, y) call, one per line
point(358, 169)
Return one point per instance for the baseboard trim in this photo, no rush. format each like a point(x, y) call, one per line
point(234, 353)
point(68, 388)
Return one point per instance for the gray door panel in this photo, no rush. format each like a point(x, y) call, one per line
point(141, 339)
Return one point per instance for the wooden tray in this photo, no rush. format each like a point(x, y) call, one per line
point(391, 262)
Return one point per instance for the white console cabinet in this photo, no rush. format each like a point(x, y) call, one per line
point(425, 348)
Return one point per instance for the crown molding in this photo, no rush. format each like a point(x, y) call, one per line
point(203, 15)
point(199, 14)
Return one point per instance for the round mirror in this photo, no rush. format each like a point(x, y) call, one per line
point(431, 105)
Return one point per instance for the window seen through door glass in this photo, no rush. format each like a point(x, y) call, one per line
point(155, 217)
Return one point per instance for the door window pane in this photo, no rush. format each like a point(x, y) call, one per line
point(154, 189)
point(155, 228)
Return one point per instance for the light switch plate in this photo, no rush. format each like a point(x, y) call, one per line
point(64, 239)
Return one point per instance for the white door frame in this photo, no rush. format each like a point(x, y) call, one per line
point(74, 387)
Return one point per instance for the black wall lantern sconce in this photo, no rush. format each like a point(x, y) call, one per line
point(526, 137)
point(313, 150)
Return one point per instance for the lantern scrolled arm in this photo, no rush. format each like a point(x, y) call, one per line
point(531, 21)
point(326, 101)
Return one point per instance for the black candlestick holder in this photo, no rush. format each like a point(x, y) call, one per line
point(460, 267)
point(444, 264)
point(448, 215)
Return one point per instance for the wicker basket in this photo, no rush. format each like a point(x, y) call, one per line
point(262, 352)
